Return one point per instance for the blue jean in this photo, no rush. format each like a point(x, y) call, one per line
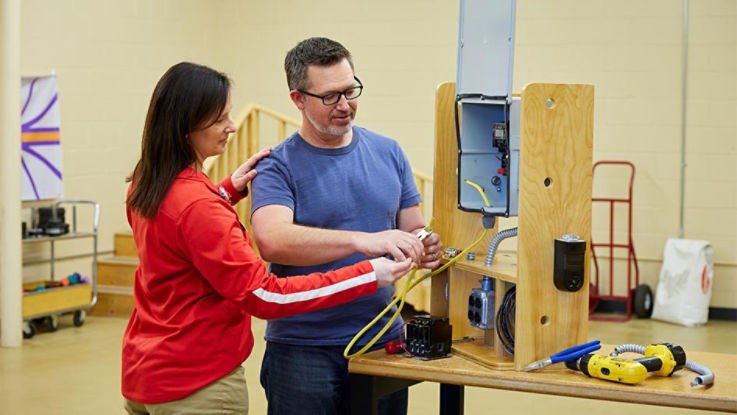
point(313, 380)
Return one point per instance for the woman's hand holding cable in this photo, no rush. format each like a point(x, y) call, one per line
point(388, 271)
point(246, 172)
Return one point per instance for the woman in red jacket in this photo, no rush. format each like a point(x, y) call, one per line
point(199, 280)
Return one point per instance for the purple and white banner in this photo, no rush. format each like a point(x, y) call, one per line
point(40, 139)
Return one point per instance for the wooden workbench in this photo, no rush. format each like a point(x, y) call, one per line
point(673, 391)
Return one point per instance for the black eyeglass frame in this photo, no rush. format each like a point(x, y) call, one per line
point(339, 93)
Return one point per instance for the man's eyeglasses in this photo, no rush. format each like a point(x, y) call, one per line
point(333, 97)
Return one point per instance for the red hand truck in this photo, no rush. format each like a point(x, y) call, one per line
point(639, 299)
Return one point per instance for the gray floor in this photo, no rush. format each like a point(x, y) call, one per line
point(77, 371)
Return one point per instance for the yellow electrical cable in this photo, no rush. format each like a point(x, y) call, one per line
point(378, 335)
point(409, 285)
point(483, 195)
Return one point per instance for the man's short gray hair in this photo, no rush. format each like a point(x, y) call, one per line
point(319, 51)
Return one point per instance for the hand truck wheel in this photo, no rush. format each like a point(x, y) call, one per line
point(642, 301)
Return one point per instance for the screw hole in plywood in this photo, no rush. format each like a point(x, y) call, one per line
point(548, 181)
point(544, 320)
point(550, 103)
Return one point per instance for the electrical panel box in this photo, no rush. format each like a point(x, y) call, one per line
point(489, 156)
point(488, 135)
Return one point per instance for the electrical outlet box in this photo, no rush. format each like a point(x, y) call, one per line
point(481, 304)
point(570, 255)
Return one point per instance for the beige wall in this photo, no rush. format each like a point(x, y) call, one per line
point(631, 51)
point(108, 55)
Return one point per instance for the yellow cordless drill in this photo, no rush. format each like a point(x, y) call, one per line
point(663, 359)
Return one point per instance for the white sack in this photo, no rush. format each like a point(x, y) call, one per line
point(684, 288)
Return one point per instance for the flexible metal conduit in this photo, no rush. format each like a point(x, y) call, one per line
point(507, 233)
point(706, 376)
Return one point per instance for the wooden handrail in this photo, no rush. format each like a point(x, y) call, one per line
point(246, 142)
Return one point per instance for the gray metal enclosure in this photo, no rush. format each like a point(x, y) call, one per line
point(488, 138)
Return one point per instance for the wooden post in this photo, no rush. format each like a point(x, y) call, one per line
point(556, 144)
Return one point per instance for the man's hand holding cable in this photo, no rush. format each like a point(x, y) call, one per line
point(388, 271)
point(399, 244)
point(433, 251)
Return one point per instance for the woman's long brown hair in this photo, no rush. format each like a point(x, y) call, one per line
point(188, 97)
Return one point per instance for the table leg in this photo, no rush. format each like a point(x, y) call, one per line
point(365, 390)
point(363, 401)
point(451, 399)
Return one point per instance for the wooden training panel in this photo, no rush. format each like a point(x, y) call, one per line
point(554, 199)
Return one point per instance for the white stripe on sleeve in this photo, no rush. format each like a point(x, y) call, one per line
point(278, 298)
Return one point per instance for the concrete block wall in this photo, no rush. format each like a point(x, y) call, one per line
point(109, 54)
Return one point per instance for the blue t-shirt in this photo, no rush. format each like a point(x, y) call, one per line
point(360, 187)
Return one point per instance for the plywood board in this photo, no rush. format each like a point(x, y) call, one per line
point(461, 284)
point(555, 199)
point(456, 228)
point(478, 352)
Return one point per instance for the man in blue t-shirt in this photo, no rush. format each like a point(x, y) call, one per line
point(330, 195)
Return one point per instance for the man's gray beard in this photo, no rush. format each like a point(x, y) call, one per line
point(337, 131)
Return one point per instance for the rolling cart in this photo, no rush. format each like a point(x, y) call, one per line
point(639, 299)
point(47, 304)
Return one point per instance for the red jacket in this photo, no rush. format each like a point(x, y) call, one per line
point(196, 286)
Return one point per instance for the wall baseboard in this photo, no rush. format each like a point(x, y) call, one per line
point(722, 313)
point(715, 313)
point(611, 307)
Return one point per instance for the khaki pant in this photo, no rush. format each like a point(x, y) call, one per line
point(227, 395)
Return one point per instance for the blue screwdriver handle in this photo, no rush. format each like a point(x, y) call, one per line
point(576, 351)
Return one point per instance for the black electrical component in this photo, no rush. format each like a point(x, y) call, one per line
point(428, 337)
point(51, 221)
point(501, 142)
point(570, 254)
point(500, 135)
